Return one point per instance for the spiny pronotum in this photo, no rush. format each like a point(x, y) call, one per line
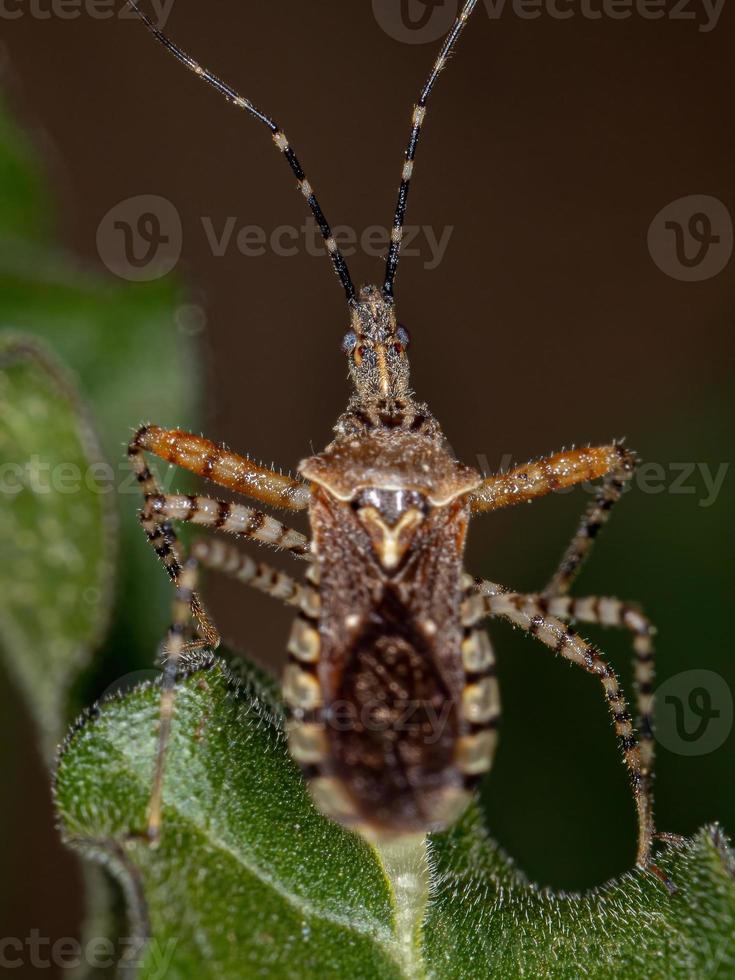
point(391, 684)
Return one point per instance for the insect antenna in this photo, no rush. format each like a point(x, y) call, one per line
point(279, 138)
point(419, 113)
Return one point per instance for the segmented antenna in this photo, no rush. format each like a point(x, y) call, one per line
point(279, 138)
point(419, 113)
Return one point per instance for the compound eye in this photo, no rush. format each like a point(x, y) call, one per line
point(348, 342)
point(402, 336)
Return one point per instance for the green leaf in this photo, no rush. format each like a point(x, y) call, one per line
point(24, 207)
point(134, 364)
point(57, 526)
point(484, 911)
point(132, 349)
point(250, 880)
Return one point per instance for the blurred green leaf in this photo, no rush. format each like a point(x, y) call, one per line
point(250, 880)
point(57, 525)
point(132, 352)
point(24, 207)
point(134, 364)
point(484, 911)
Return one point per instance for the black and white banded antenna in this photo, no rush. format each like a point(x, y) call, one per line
point(419, 112)
point(279, 138)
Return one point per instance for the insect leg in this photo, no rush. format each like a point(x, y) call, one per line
point(223, 557)
point(557, 472)
point(236, 519)
point(605, 611)
point(218, 464)
point(530, 613)
point(162, 538)
point(613, 612)
point(595, 516)
point(159, 511)
point(173, 649)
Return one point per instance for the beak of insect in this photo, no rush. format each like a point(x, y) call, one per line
point(390, 541)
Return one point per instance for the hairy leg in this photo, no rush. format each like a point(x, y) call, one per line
point(161, 536)
point(218, 464)
point(595, 516)
point(236, 519)
point(160, 510)
point(529, 613)
point(220, 556)
point(609, 611)
point(605, 611)
point(244, 522)
point(173, 650)
point(558, 472)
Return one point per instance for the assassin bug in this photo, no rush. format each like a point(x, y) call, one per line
point(387, 619)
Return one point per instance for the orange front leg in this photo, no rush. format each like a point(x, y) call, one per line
point(221, 466)
point(565, 469)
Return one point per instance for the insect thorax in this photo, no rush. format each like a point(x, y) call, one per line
point(389, 513)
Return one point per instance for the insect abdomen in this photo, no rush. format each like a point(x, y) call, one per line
point(391, 749)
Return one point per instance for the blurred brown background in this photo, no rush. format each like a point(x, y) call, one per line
point(550, 146)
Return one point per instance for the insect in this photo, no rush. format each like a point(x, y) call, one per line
point(391, 685)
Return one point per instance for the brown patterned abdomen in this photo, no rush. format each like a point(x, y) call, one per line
point(393, 731)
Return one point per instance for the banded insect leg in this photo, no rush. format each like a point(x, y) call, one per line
point(527, 612)
point(173, 650)
point(221, 515)
point(160, 511)
point(218, 464)
point(594, 517)
point(162, 537)
point(544, 476)
point(613, 612)
point(608, 611)
point(223, 557)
